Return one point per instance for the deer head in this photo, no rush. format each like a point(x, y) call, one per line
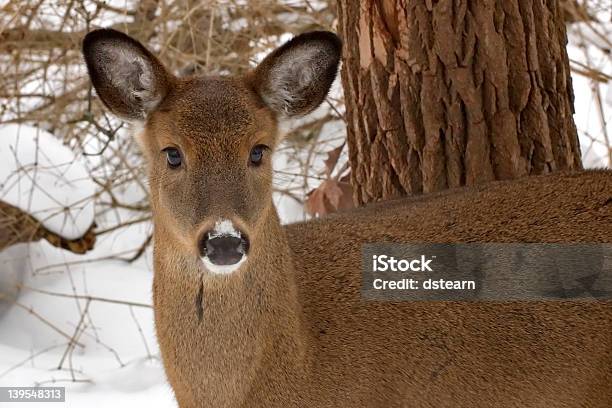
point(208, 140)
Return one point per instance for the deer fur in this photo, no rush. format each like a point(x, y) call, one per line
point(289, 327)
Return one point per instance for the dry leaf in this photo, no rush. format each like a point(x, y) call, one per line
point(332, 159)
point(332, 195)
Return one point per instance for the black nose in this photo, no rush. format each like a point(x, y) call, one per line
point(224, 249)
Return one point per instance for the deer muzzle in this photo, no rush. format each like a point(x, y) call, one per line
point(223, 248)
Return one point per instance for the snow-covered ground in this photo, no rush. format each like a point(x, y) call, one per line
point(116, 362)
point(104, 352)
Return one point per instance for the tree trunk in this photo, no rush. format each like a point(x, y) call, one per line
point(442, 94)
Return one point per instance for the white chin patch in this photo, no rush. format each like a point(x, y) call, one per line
point(222, 269)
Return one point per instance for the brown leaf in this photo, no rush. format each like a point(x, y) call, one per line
point(333, 192)
point(332, 159)
point(315, 203)
point(332, 195)
point(346, 200)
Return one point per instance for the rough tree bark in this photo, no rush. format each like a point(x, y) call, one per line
point(441, 94)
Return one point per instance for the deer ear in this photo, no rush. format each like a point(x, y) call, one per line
point(295, 78)
point(128, 78)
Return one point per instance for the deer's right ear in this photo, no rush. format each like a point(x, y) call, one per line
point(295, 78)
point(128, 78)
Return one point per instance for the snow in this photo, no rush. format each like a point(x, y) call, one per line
point(13, 264)
point(119, 364)
point(44, 178)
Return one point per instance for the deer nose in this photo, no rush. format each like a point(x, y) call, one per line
point(225, 250)
point(223, 247)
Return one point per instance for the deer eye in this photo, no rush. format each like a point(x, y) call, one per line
point(173, 156)
point(257, 153)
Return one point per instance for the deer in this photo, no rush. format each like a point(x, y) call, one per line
point(252, 313)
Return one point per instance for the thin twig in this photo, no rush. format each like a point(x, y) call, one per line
point(87, 298)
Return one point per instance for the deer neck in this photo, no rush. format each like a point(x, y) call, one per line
point(233, 331)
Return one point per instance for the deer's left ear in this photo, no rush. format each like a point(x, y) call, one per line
point(295, 78)
point(128, 78)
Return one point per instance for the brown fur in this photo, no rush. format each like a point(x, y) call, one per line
point(259, 346)
point(290, 328)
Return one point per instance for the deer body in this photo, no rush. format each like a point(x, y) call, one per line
point(298, 333)
point(253, 314)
